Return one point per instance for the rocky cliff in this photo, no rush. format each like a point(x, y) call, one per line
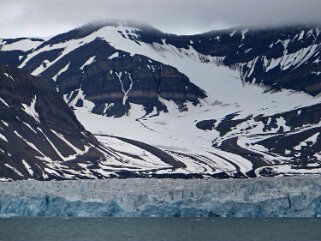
point(40, 135)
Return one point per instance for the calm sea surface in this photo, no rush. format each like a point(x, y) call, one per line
point(159, 229)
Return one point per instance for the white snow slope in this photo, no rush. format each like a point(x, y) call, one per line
point(175, 132)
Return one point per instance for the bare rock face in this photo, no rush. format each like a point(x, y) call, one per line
point(115, 78)
point(38, 131)
point(279, 58)
point(135, 80)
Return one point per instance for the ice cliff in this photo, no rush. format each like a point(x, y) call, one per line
point(268, 197)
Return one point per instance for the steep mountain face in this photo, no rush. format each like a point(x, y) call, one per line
point(286, 57)
point(233, 103)
point(40, 137)
point(108, 77)
point(39, 133)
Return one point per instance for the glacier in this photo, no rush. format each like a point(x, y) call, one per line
point(138, 197)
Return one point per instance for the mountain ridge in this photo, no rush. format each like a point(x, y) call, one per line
point(217, 102)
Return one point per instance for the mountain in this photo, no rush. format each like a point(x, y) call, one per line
point(40, 137)
point(229, 103)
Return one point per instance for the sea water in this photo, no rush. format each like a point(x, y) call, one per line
point(159, 229)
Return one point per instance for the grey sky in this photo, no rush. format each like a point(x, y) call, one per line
point(49, 17)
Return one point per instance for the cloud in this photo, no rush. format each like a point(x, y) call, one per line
point(48, 17)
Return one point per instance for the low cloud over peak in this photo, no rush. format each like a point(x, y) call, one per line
point(46, 17)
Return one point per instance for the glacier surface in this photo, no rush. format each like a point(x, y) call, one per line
point(261, 197)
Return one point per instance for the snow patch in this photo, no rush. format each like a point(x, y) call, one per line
point(22, 45)
point(64, 69)
point(312, 140)
point(3, 137)
point(28, 167)
point(88, 62)
point(114, 55)
point(4, 102)
point(31, 109)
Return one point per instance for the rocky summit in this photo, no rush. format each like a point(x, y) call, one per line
point(231, 103)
